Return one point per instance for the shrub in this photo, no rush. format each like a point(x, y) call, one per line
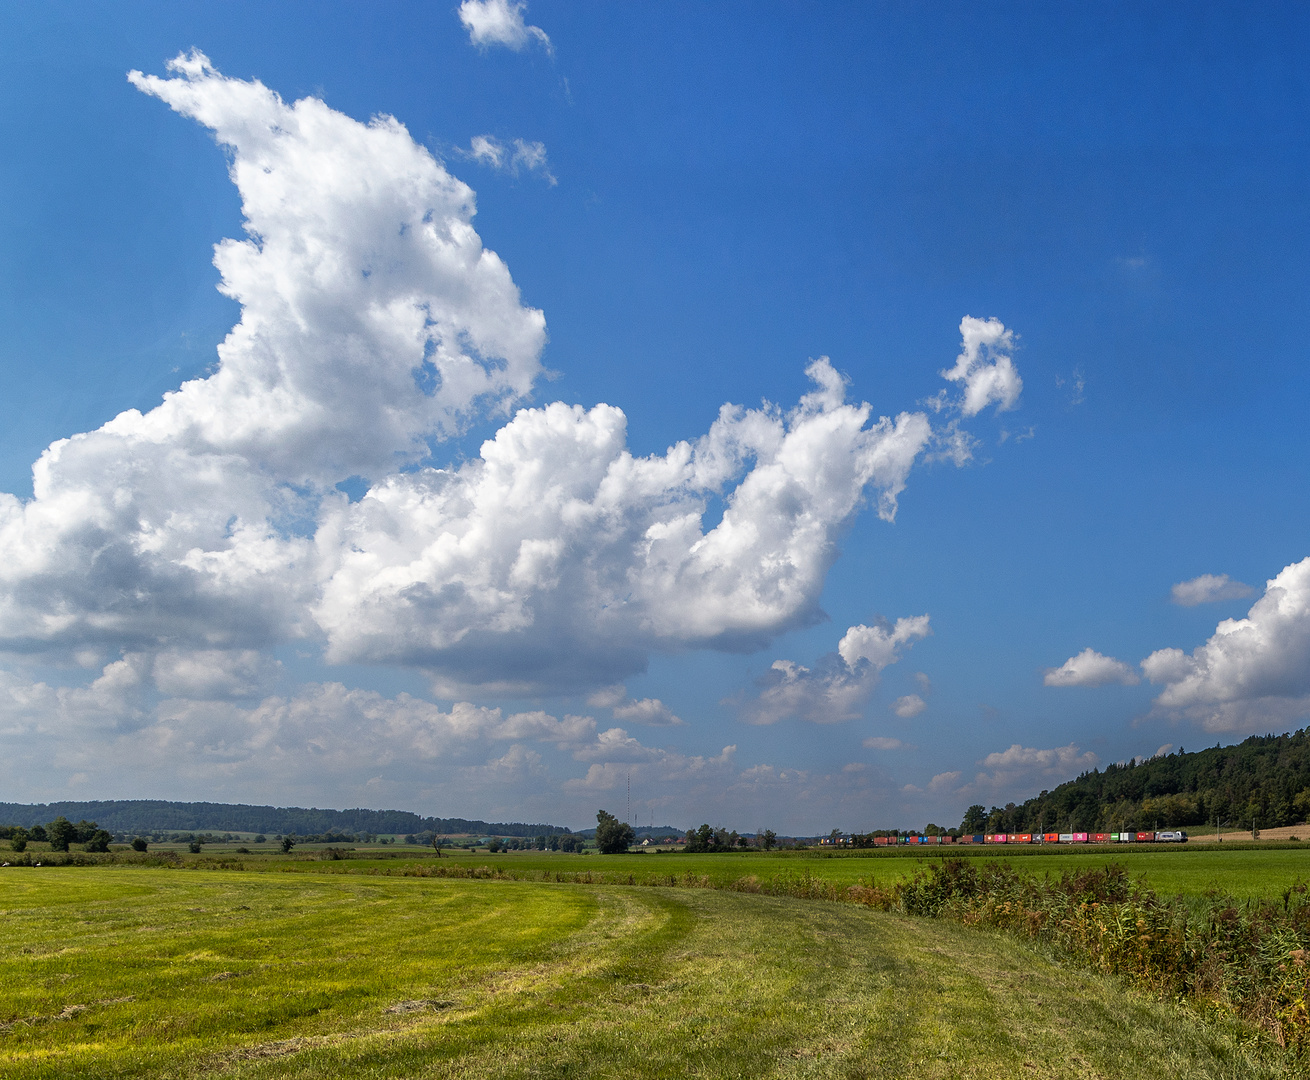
point(140, 844)
point(194, 847)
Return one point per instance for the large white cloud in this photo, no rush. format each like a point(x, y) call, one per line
point(1090, 668)
point(373, 325)
point(373, 320)
point(840, 684)
point(557, 558)
point(1253, 673)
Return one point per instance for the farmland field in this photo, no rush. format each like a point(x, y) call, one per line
point(1245, 872)
point(121, 971)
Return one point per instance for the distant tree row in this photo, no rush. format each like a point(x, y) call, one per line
point(1263, 782)
point(144, 817)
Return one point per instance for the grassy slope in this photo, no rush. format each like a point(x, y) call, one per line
point(292, 975)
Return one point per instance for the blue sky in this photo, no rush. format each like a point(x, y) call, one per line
point(245, 594)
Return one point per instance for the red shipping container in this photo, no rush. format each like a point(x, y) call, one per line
point(880, 841)
point(1021, 838)
point(1143, 837)
point(1051, 837)
point(1100, 838)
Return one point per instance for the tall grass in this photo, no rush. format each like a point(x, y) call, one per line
point(1250, 959)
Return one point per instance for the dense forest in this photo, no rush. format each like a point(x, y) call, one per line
point(148, 816)
point(1264, 781)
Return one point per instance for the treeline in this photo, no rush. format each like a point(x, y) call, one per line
point(153, 816)
point(1262, 783)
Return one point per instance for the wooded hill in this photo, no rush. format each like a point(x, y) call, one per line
point(146, 816)
point(1265, 780)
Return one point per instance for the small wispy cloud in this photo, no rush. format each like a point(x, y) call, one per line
point(513, 157)
point(877, 742)
point(500, 22)
point(1077, 383)
point(1208, 589)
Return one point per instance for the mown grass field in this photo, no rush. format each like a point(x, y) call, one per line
point(116, 971)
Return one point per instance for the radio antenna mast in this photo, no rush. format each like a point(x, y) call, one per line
point(629, 797)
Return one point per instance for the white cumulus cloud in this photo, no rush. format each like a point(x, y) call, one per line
point(650, 711)
point(373, 321)
point(1207, 589)
point(1090, 668)
point(558, 559)
point(1253, 673)
point(189, 540)
point(839, 684)
point(908, 706)
point(499, 22)
point(1021, 766)
point(984, 367)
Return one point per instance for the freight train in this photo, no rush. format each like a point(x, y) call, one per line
point(1172, 836)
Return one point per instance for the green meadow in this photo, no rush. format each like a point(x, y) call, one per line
point(1243, 871)
point(351, 967)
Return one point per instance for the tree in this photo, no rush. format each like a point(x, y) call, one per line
point(98, 841)
point(437, 841)
point(975, 820)
point(768, 839)
point(288, 842)
point(18, 839)
point(261, 838)
point(612, 835)
point(61, 832)
point(139, 844)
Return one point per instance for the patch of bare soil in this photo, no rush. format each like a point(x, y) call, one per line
point(1287, 832)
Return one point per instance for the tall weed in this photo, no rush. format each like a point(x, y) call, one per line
point(1250, 959)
